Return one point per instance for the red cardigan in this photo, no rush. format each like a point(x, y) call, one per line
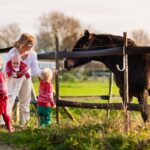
point(45, 97)
point(20, 73)
point(3, 93)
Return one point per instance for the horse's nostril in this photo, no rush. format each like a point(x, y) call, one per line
point(65, 64)
point(68, 64)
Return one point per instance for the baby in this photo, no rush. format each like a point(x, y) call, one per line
point(4, 99)
point(16, 71)
point(16, 68)
point(45, 98)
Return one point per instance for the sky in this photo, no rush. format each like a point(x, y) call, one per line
point(102, 16)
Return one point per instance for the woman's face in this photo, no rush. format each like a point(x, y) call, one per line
point(28, 46)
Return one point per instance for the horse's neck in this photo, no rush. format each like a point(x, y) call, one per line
point(111, 62)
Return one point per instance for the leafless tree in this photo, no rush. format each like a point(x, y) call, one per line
point(140, 37)
point(8, 34)
point(66, 28)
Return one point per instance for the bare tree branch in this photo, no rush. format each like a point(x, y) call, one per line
point(8, 34)
point(66, 28)
point(141, 37)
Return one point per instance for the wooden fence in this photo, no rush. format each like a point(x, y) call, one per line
point(124, 51)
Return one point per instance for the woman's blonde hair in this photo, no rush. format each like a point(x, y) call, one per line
point(23, 40)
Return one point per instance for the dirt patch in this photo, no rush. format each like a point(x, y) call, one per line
point(4, 147)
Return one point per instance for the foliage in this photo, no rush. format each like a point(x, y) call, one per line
point(140, 37)
point(8, 34)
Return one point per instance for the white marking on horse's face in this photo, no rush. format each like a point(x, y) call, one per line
point(69, 64)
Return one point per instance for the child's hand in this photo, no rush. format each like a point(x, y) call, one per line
point(14, 74)
point(55, 71)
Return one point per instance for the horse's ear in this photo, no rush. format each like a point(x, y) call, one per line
point(86, 33)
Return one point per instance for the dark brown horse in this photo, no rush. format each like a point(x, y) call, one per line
point(139, 65)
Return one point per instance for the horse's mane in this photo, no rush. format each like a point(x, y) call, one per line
point(114, 38)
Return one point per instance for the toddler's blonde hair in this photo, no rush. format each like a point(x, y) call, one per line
point(47, 74)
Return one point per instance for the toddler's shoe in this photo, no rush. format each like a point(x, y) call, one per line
point(11, 129)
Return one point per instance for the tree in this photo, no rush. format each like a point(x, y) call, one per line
point(140, 37)
point(9, 34)
point(66, 28)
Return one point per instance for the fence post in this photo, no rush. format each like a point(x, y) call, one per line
point(126, 85)
point(110, 91)
point(16, 113)
point(57, 79)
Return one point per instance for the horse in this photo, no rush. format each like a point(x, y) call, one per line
point(138, 65)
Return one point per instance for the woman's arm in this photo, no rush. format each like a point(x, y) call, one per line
point(35, 70)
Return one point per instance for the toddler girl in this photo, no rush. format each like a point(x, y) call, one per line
point(4, 99)
point(45, 98)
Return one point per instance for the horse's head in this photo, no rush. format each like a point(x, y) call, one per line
point(87, 42)
point(93, 42)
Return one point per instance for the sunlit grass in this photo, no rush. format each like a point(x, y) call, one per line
point(77, 88)
point(97, 87)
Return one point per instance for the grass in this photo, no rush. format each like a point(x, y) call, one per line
point(93, 87)
point(89, 88)
point(92, 130)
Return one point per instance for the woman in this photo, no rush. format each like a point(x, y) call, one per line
point(24, 47)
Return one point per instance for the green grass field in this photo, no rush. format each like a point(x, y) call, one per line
point(77, 88)
point(91, 130)
point(81, 88)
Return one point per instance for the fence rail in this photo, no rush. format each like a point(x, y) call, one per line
point(92, 53)
point(123, 51)
point(113, 106)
